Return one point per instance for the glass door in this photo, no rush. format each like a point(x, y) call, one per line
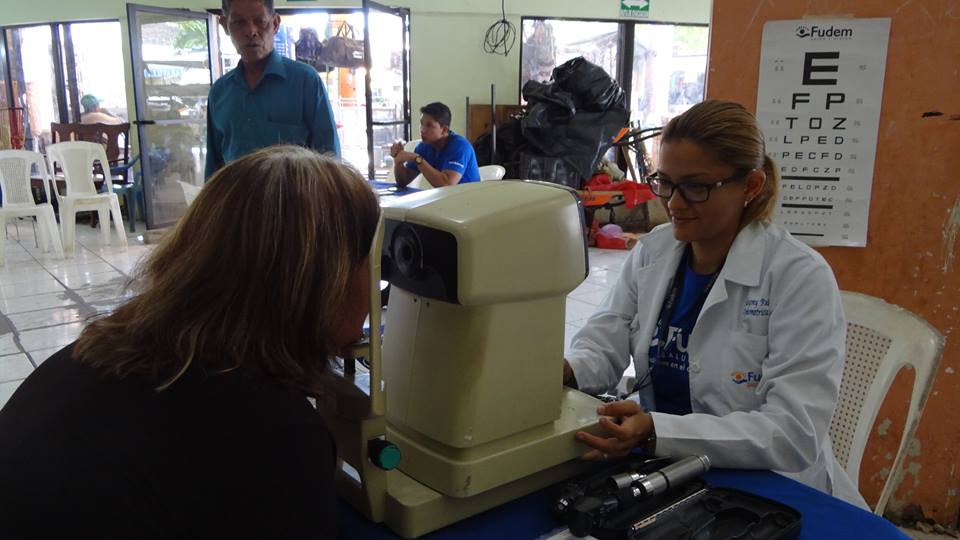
point(387, 83)
point(170, 51)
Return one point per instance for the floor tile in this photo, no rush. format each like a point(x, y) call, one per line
point(587, 287)
point(6, 390)
point(44, 317)
point(11, 258)
point(10, 306)
point(577, 310)
point(22, 274)
point(569, 331)
point(67, 272)
point(594, 298)
point(105, 293)
point(14, 367)
point(50, 261)
point(82, 281)
point(8, 345)
point(41, 285)
point(45, 338)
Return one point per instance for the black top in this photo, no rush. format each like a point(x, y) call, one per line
point(89, 455)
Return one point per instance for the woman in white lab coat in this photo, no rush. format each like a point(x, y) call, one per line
point(735, 328)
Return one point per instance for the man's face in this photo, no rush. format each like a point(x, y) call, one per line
point(251, 28)
point(431, 130)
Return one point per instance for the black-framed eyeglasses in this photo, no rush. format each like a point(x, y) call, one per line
point(692, 192)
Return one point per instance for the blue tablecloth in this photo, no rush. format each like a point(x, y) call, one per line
point(529, 517)
point(390, 189)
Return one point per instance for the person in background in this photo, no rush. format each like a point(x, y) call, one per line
point(93, 114)
point(184, 413)
point(267, 99)
point(735, 328)
point(443, 157)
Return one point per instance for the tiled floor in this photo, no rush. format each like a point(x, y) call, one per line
point(45, 301)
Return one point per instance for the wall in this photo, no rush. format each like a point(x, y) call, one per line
point(911, 258)
point(446, 57)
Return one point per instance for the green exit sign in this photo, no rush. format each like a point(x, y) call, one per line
point(635, 9)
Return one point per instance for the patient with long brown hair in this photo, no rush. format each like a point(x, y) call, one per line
point(184, 412)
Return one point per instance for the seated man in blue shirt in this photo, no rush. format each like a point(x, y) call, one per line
point(443, 157)
point(267, 99)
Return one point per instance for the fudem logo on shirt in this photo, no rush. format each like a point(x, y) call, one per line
point(749, 378)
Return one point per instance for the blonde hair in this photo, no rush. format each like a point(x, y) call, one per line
point(728, 132)
point(255, 273)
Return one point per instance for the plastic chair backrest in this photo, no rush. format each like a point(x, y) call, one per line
point(16, 170)
point(411, 146)
point(76, 159)
point(492, 172)
point(881, 338)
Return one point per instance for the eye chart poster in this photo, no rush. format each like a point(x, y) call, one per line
point(818, 104)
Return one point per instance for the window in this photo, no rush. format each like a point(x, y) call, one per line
point(52, 66)
point(669, 69)
point(547, 43)
point(666, 75)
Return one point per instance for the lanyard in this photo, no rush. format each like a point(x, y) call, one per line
point(670, 303)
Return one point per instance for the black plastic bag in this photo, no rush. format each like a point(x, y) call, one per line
point(587, 134)
point(591, 86)
point(510, 143)
point(550, 94)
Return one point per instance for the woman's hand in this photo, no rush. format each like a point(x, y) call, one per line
point(629, 427)
point(568, 378)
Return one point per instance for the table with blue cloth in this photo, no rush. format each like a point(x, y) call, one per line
point(529, 517)
point(389, 189)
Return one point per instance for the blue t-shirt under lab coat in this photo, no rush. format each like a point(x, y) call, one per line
point(457, 156)
point(669, 375)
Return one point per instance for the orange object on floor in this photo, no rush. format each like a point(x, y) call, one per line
point(634, 193)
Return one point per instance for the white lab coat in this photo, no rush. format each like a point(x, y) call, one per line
point(765, 356)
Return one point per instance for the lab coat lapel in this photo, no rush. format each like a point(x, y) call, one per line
point(742, 266)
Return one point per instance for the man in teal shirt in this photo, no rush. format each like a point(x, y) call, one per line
point(266, 99)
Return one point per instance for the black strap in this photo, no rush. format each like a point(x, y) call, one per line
point(670, 302)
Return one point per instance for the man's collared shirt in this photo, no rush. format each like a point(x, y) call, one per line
point(288, 106)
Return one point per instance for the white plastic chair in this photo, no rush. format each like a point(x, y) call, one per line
point(492, 172)
point(76, 159)
point(16, 168)
point(190, 191)
point(881, 338)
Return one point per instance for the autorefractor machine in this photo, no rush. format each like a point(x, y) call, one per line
point(460, 406)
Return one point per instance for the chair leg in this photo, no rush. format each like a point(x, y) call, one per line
point(40, 239)
point(104, 216)
point(3, 239)
point(68, 227)
point(130, 201)
point(118, 220)
point(48, 223)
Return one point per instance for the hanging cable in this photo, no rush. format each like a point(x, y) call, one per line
point(501, 36)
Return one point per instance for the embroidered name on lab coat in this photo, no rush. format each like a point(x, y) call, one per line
point(757, 307)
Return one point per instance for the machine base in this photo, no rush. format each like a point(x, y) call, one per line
point(413, 509)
